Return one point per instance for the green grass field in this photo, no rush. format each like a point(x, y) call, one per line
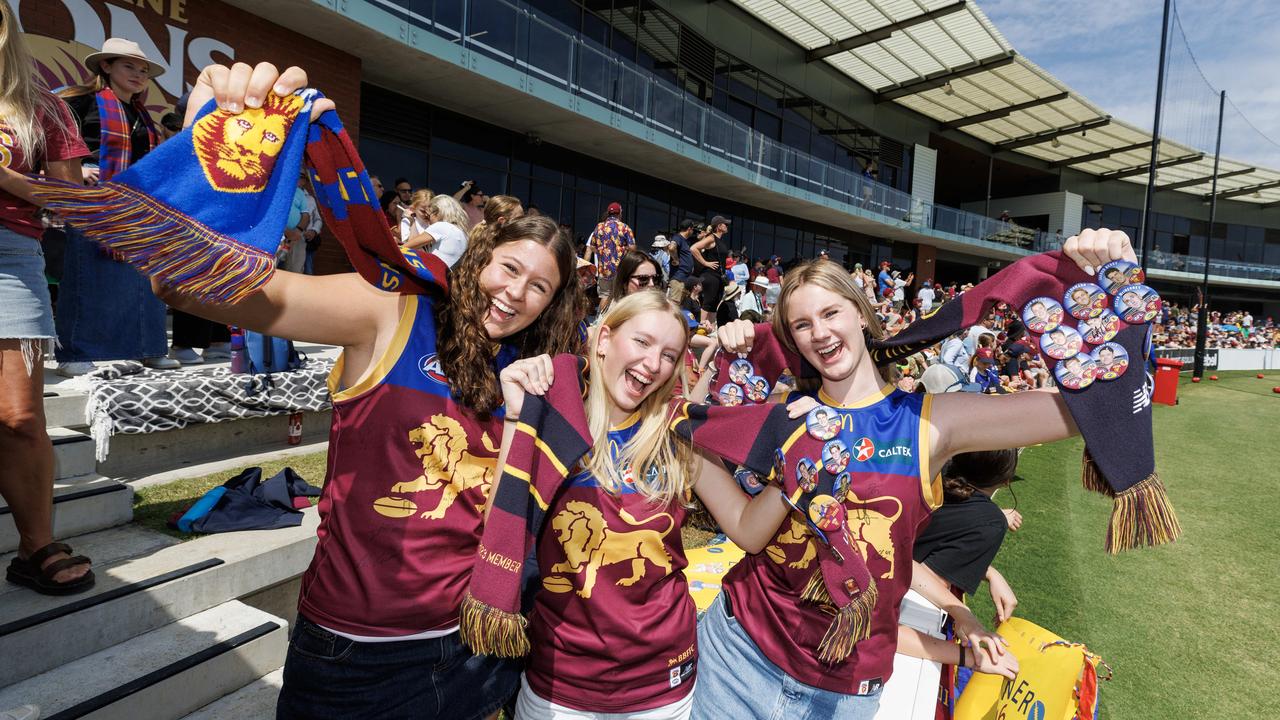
point(1184, 626)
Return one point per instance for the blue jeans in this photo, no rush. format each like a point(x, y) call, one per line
point(106, 310)
point(309, 265)
point(736, 680)
point(328, 676)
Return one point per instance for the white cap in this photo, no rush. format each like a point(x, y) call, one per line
point(660, 241)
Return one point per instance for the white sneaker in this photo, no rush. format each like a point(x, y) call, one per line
point(75, 369)
point(218, 351)
point(25, 712)
point(186, 356)
point(162, 363)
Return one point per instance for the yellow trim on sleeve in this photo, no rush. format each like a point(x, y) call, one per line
point(376, 374)
point(930, 486)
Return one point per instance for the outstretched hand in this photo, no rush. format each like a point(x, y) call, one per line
point(1092, 249)
point(241, 86)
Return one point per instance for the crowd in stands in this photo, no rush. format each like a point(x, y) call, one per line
point(1234, 329)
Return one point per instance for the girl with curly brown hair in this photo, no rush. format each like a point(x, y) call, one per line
point(417, 420)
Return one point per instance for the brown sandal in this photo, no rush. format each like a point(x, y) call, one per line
point(29, 572)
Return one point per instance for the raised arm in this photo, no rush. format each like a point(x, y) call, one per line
point(750, 522)
point(968, 422)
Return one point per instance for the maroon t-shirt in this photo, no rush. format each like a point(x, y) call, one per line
point(62, 141)
point(400, 514)
point(890, 495)
point(614, 628)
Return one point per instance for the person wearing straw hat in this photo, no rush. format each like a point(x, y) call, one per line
point(106, 310)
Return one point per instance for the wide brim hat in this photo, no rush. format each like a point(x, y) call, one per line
point(732, 290)
point(117, 48)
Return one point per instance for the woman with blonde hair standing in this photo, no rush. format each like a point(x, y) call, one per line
point(36, 133)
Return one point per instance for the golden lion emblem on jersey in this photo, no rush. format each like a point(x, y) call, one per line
point(237, 152)
point(447, 467)
point(589, 544)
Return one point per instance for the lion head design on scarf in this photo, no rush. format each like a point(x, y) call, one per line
point(237, 151)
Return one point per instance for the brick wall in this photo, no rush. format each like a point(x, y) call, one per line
point(58, 38)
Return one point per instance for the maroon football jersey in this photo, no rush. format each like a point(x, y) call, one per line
point(401, 510)
point(890, 495)
point(613, 628)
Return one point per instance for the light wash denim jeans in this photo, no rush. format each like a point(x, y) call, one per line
point(736, 680)
point(106, 310)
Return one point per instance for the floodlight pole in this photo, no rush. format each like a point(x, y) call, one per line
point(1202, 318)
point(1155, 139)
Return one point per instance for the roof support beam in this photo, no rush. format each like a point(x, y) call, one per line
point(1047, 135)
point(1101, 155)
point(1002, 112)
point(881, 33)
point(1139, 169)
point(796, 102)
point(859, 132)
point(939, 79)
point(1202, 180)
point(1246, 190)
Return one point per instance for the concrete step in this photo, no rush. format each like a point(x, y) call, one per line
point(145, 580)
point(72, 452)
point(65, 409)
point(255, 701)
point(81, 504)
point(163, 674)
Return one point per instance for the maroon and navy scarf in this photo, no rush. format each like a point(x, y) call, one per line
point(1114, 416)
point(551, 436)
point(187, 215)
point(755, 436)
point(115, 149)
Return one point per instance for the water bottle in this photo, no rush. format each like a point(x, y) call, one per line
point(239, 356)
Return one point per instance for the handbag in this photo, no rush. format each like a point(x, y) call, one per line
point(1057, 679)
point(269, 354)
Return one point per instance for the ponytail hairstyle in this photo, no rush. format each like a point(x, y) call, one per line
point(24, 98)
point(465, 350)
point(498, 210)
point(987, 471)
point(661, 466)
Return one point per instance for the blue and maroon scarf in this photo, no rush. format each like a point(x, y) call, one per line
point(115, 151)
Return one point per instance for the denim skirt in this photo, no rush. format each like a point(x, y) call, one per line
point(25, 312)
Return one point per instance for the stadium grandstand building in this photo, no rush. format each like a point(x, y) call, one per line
point(896, 131)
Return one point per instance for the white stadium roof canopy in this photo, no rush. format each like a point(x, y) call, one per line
point(946, 60)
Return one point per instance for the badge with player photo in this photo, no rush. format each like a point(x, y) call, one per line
point(1084, 299)
point(1111, 360)
point(1042, 314)
point(757, 389)
point(1137, 304)
point(1100, 328)
point(1076, 372)
point(1118, 273)
point(740, 370)
point(1061, 342)
point(730, 395)
point(823, 423)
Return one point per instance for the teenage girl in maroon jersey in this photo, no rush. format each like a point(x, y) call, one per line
point(613, 629)
point(411, 454)
point(759, 642)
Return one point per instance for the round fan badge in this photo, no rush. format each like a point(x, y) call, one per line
point(1137, 304)
point(1061, 342)
point(749, 481)
point(740, 370)
point(730, 395)
point(827, 513)
point(779, 467)
point(1118, 273)
point(841, 485)
point(806, 474)
point(823, 423)
point(1083, 299)
point(1111, 361)
point(1076, 372)
point(835, 457)
point(1101, 327)
point(757, 389)
point(1042, 314)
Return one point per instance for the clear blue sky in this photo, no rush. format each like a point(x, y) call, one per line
point(1106, 50)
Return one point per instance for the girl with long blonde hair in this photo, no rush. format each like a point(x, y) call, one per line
point(614, 603)
point(760, 640)
point(37, 134)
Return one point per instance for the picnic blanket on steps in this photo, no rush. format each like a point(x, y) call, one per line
point(126, 397)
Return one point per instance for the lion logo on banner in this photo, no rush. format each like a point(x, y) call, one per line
point(447, 466)
point(872, 531)
point(237, 152)
point(589, 544)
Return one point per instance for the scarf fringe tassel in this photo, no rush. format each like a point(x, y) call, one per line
point(1142, 515)
point(852, 623)
point(1092, 478)
point(490, 631)
point(163, 243)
